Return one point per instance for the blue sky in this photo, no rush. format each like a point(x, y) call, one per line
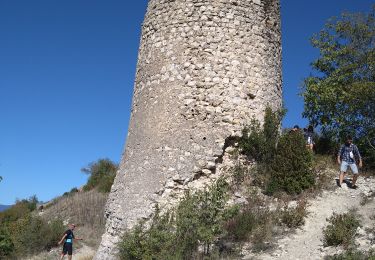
point(66, 79)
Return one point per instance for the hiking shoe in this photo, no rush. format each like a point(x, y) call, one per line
point(354, 187)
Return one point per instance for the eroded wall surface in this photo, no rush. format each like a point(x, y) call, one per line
point(205, 68)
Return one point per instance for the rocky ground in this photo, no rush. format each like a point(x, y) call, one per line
point(82, 252)
point(307, 242)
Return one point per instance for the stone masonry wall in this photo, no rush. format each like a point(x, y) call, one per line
point(205, 68)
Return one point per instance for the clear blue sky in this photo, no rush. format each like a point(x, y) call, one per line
point(66, 80)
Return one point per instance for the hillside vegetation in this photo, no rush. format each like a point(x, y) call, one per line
point(31, 228)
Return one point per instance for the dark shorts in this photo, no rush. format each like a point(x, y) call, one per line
point(68, 248)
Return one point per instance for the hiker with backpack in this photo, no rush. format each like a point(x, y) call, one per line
point(347, 157)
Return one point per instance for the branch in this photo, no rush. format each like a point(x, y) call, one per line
point(369, 142)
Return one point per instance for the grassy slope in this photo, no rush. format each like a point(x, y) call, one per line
point(85, 209)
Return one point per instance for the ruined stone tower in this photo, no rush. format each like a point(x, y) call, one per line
point(205, 68)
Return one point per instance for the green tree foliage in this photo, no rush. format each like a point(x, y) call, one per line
point(340, 96)
point(102, 174)
point(291, 168)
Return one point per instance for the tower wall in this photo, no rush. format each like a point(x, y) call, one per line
point(205, 68)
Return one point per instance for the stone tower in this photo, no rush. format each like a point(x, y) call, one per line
point(205, 68)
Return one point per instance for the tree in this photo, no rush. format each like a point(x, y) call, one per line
point(291, 168)
point(102, 174)
point(340, 96)
point(259, 143)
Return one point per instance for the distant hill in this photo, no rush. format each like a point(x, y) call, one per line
point(4, 207)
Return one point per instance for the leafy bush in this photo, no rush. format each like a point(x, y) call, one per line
point(196, 221)
point(259, 143)
point(238, 175)
point(150, 243)
point(283, 163)
point(31, 234)
point(240, 227)
point(341, 230)
point(294, 217)
point(255, 223)
point(102, 174)
point(6, 244)
point(291, 168)
point(252, 141)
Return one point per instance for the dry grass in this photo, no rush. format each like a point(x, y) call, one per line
point(85, 209)
point(86, 257)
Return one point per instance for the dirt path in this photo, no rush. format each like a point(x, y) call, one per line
point(307, 242)
point(84, 252)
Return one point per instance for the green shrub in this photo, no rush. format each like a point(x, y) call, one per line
point(271, 129)
point(254, 223)
point(252, 141)
point(259, 143)
point(341, 230)
point(353, 255)
point(20, 209)
point(71, 192)
point(155, 242)
point(294, 217)
point(31, 234)
point(102, 174)
point(6, 244)
point(291, 168)
point(238, 174)
point(196, 221)
point(240, 227)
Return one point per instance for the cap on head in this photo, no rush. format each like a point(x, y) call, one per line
point(296, 126)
